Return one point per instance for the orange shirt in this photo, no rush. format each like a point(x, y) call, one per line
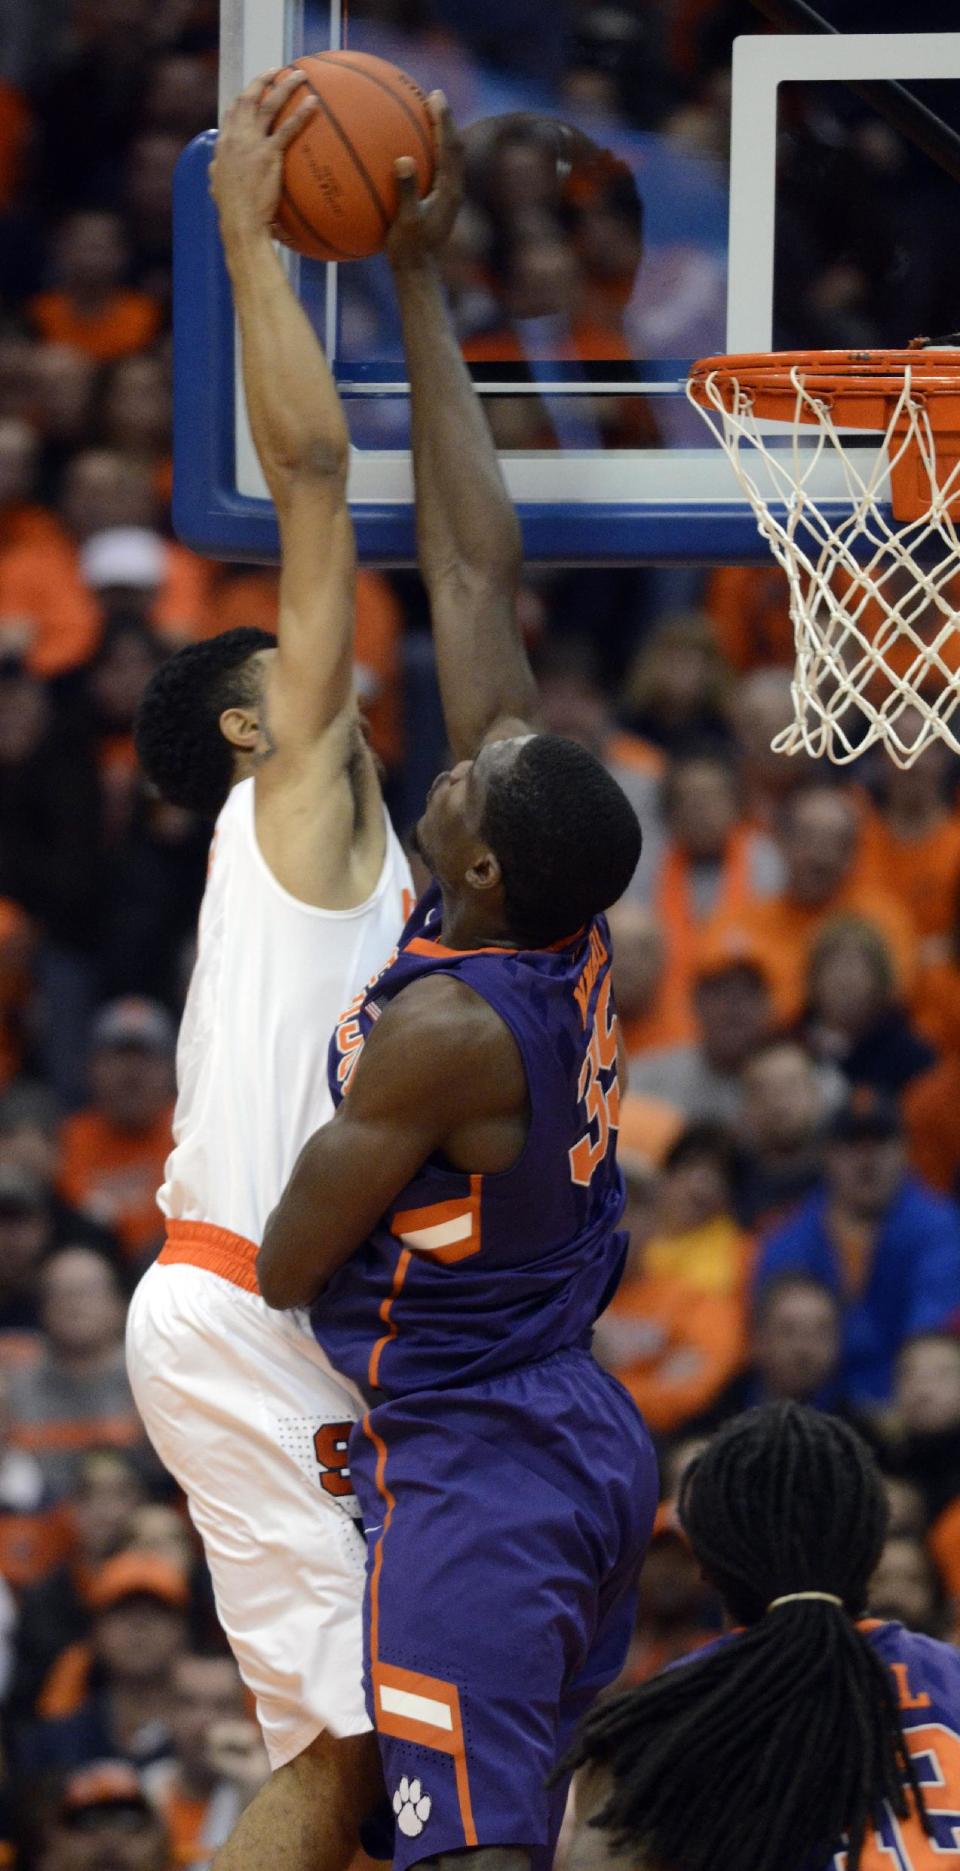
point(40, 584)
point(114, 1176)
point(674, 1348)
point(31, 1544)
point(185, 1819)
point(671, 1021)
point(922, 873)
point(749, 609)
point(930, 1107)
point(783, 933)
point(128, 322)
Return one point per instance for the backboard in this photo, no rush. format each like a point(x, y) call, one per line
point(752, 195)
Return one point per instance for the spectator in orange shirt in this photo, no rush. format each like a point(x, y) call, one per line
point(819, 843)
point(89, 308)
point(731, 1001)
point(911, 846)
point(114, 1151)
point(109, 512)
point(711, 867)
point(930, 1109)
point(675, 1332)
point(211, 1729)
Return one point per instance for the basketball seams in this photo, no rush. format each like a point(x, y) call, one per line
point(360, 166)
point(335, 253)
point(341, 59)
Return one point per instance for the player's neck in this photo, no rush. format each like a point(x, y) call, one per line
point(463, 928)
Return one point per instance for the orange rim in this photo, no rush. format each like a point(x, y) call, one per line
point(860, 386)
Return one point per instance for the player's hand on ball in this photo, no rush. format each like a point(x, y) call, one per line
point(247, 170)
point(422, 227)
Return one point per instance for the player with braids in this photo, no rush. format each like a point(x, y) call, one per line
point(784, 1743)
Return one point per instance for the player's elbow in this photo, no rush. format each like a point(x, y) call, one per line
point(277, 1277)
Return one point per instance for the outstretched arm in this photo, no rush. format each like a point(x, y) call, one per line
point(468, 539)
point(409, 1096)
point(301, 438)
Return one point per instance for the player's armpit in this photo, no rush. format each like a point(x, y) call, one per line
point(440, 1071)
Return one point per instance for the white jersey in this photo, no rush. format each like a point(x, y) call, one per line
point(272, 977)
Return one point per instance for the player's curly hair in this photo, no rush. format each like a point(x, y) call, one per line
point(177, 730)
point(778, 1748)
point(565, 836)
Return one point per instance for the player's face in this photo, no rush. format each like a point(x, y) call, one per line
point(448, 834)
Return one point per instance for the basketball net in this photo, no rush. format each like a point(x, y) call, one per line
point(874, 584)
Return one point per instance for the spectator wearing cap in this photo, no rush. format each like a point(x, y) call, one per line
point(732, 1008)
point(104, 1821)
point(114, 1151)
point(34, 1530)
point(56, 1612)
point(818, 837)
point(853, 1018)
point(219, 1761)
point(785, 1104)
point(675, 1332)
point(114, 1698)
point(76, 1395)
point(886, 1245)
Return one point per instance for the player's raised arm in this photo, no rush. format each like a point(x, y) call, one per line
point(310, 731)
point(409, 1096)
point(468, 539)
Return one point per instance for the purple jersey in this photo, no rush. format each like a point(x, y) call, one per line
point(927, 1678)
point(467, 1276)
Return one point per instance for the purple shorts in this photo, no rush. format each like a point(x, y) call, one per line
point(506, 1524)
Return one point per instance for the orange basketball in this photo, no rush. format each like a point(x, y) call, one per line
point(339, 189)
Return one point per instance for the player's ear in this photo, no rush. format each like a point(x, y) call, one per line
point(241, 727)
point(484, 873)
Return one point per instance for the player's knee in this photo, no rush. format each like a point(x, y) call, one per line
point(478, 1858)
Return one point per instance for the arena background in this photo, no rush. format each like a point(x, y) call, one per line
point(788, 959)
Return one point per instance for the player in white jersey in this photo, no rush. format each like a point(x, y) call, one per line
point(307, 893)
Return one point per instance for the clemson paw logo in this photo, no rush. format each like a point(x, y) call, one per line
point(412, 1807)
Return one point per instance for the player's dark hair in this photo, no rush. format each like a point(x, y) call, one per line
point(565, 836)
point(177, 729)
point(785, 1741)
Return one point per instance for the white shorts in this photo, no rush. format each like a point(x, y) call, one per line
point(242, 1407)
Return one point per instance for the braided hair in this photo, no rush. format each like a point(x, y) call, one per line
point(780, 1746)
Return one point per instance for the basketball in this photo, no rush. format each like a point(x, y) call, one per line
point(339, 189)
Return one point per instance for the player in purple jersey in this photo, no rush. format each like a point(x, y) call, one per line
point(457, 1222)
point(814, 1736)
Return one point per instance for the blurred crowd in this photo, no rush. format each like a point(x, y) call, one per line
point(788, 959)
